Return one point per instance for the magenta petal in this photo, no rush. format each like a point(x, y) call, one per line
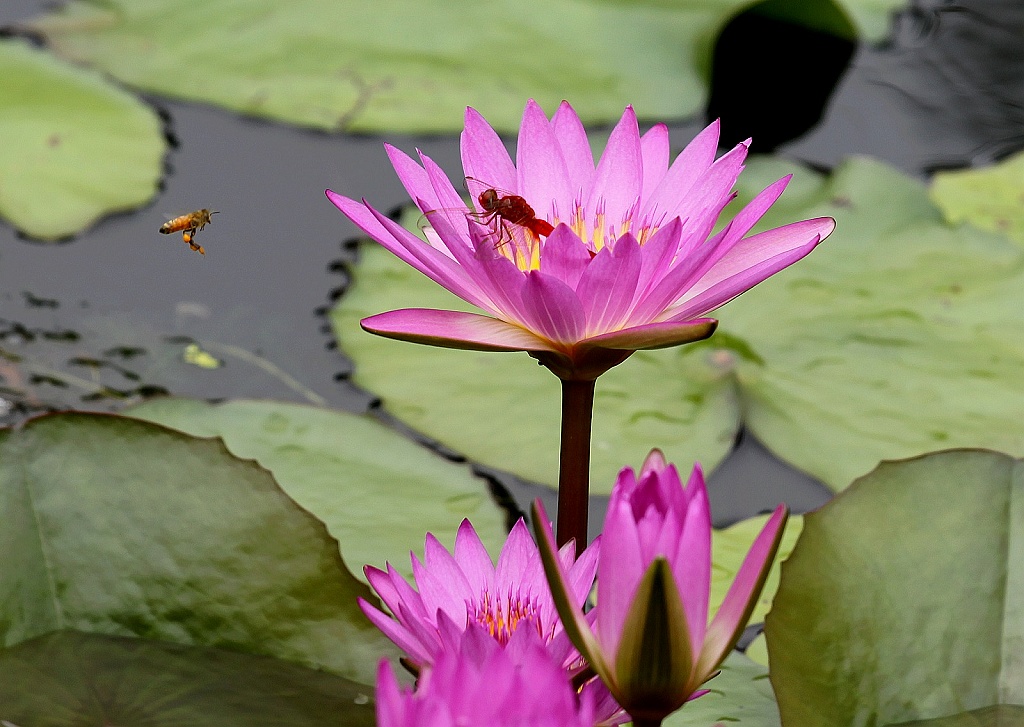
point(396, 632)
point(654, 150)
point(542, 174)
point(517, 553)
point(744, 268)
point(553, 309)
point(712, 192)
point(655, 335)
point(619, 174)
point(576, 152)
point(473, 558)
point(607, 286)
point(746, 587)
point(484, 156)
point(565, 256)
point(453, 329)
point(620, 566)
point(691, 566)
point(684, 172)
point(412, 176)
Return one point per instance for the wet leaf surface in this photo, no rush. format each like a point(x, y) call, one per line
point(897, 336)
point(121, 527)
point(378, 493)
point(901, 600)
point(69, 679)
point(393, 65)
point(75, 146)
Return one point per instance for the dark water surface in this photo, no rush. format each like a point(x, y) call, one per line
point(107, 317)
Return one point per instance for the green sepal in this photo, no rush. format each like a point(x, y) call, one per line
point(654, 660)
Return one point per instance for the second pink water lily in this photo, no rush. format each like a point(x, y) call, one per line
point(624, 257)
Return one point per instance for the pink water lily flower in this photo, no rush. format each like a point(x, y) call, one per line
point(609, 259)
point(652, 644)
point(476, 682)
point(468, 588)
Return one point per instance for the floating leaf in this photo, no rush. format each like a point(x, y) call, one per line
point(740, 695)
point(898, 335)
point(1002, 715)
point(68, 679)
point(378, 492)
point(991, 198)
point(74, 148)
point(405, 65)
point(902, 599)
point(117, 526)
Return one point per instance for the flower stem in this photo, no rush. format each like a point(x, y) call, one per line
point(574, 462)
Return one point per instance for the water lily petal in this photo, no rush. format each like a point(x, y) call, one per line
point(655, 335)
point(542, 172)
point(453, 329)
point(473, 557)
point(739, 601)
point(618, 571)
point(654, 151)
point(484, 155)
point(552, 308)
point(576, 152)
point(565, 256)
point(692, 562)
point(744, 269)
point(619, 175)
point(515, 556)
point(607, 286)
point(662, 201)
point(398, 634)
point(413, 178)
point(710, 194)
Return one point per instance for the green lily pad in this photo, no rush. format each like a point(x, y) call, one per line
point(897, 336)
point(991, 198)
point(117, 526)
point(740, 695)
point(69, 679)
point(405, 65)
point(1002, 715)
point(75, 147)
point(729, 547)
point(378, 492)
point(902, 599)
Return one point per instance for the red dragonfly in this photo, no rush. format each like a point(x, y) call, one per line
point(502, 211)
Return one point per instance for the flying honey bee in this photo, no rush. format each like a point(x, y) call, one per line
point(189, 225)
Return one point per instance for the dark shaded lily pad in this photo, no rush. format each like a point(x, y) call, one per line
point(897, 336)
point(69, 679)
point(116, 526)
point(902, 599)
point(74, 148)
point(378, 492)
point(404, 65)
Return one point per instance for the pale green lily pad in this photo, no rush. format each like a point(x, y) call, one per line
point(991, 198)
point(903, 598)
point(117, 526)
point(729, 547)
point(1002, 715)
point(74, 147)
point(71, 679)
point(740, 695)
point(378, 492)
point(897, 336)
point(406, 65)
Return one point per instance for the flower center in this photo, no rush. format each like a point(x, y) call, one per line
point(501, 616)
